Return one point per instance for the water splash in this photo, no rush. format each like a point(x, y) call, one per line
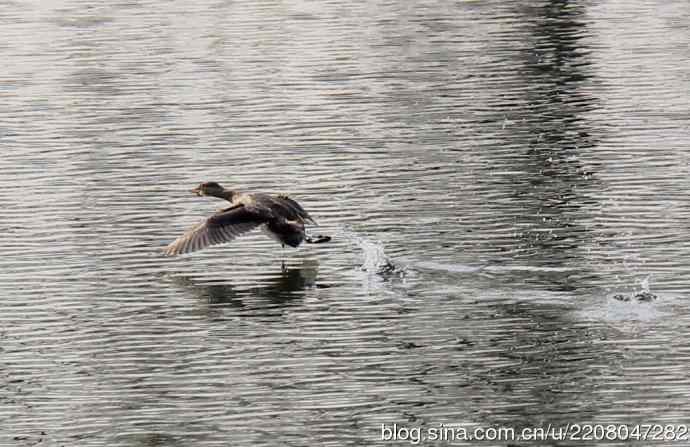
point(374, 258)
point(643, 294)
point(644, 285)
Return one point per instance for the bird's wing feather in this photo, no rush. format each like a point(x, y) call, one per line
point(295, 207)
point(217, 229)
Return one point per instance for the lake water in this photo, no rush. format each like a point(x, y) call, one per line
point(506, 185)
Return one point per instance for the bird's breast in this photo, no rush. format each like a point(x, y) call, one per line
point(244, 199)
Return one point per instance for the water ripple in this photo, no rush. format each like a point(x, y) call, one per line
point(495, 177)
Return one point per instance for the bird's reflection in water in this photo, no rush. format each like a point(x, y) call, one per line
point(153, 439)
point(285, 285)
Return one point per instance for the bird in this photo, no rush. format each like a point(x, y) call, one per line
point(279, 216)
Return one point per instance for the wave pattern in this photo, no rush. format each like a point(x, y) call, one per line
point(496, 176)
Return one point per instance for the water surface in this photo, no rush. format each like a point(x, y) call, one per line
point(501, 180)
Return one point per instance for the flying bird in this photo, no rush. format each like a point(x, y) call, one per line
point(279, 216)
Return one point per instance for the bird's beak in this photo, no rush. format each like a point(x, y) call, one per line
point(197, 191)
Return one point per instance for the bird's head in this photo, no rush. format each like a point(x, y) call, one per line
point(209, 189)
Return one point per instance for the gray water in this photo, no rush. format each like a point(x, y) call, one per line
point(502, 182)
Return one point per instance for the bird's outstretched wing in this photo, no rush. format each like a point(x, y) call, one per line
point(217, 229)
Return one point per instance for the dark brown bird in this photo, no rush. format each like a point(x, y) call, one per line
point(279, 217)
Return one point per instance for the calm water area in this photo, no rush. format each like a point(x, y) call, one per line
point(506, 184)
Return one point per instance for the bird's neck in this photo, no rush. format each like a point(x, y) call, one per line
point(227, 195)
